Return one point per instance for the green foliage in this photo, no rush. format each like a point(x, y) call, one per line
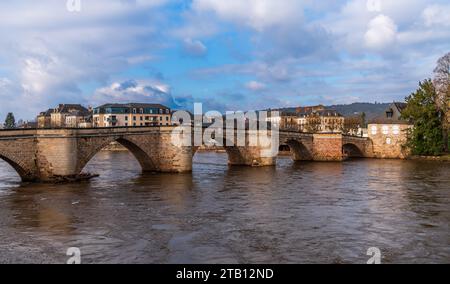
point(425, 138)
point(10, 121)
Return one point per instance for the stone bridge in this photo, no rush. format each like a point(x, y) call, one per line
point(48, 154)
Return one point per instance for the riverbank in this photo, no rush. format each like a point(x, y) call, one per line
point(444, 158)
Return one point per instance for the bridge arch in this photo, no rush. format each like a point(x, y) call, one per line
point(235, 154)
point(351, 150)
point(87, 152)
point(298, 150)
point(24, 173)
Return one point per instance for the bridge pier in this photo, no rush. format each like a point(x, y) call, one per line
point(248, 156)
point(327, 147)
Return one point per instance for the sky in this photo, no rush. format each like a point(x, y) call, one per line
point(229, 55)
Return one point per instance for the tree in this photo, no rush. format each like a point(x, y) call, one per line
point(313, 123)
point(441, 83)
point(10, 121)
point(351, 125)
point(363, 123)
point(425, 138)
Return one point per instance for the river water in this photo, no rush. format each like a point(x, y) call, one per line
point(293, 213)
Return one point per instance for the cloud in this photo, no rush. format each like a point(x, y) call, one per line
point(256, 14)
point(437, 15)
point(306, 51)
point(50, 54)
point(255, 86)
point(194, 48)
point(135, 91)
point(381, 32)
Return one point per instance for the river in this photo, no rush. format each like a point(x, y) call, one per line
point(302, 212)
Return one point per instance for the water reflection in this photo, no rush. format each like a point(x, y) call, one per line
point(294, 212)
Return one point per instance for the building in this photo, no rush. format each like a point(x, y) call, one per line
point(310, 119)
point(44, 119)
point(321, 121)
point(131, 114)
point(27, 124)
point(64, 115)
point(388, 132)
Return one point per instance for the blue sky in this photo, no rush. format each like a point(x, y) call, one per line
point(229, 55)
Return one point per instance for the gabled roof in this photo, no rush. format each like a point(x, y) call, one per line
point(400, 106)
point(47, 112)
point(383, 119)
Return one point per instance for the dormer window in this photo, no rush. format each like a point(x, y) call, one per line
point(389, 114)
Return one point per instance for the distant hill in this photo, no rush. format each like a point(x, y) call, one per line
point(372, 110)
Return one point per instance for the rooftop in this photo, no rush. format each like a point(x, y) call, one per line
point(133, 105)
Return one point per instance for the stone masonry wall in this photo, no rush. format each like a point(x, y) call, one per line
point(20, 154)
point(327, 147)
point(388, 140)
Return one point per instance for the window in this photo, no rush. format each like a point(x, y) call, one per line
point(141, 118)
point(389, 114)
point(385, 129)
point(395, 129)
point(134, 123)
point(160, 118)
point(134, 118)
point(141, 110)
point(134, 110)
point(126, 118)
point(373, 129)
point(167, 118)
point(126, 124)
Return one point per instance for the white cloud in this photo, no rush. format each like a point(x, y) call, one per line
point(381, 32)
point(49, 53)
point(255, 86)
point(194, 48)
point(257, 14)
point(140, 91)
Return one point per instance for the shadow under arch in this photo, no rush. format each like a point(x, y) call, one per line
point(235, 154)
point(24, 175)
point(350, 150)
point(145, 160)
point(299, 152)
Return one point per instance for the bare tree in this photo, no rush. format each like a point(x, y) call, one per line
point(313, 123)
point(351, 125)
point(441, 83)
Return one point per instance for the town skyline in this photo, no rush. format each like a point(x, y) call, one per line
point(244, 55)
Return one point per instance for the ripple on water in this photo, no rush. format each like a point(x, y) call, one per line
point(294, 212)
